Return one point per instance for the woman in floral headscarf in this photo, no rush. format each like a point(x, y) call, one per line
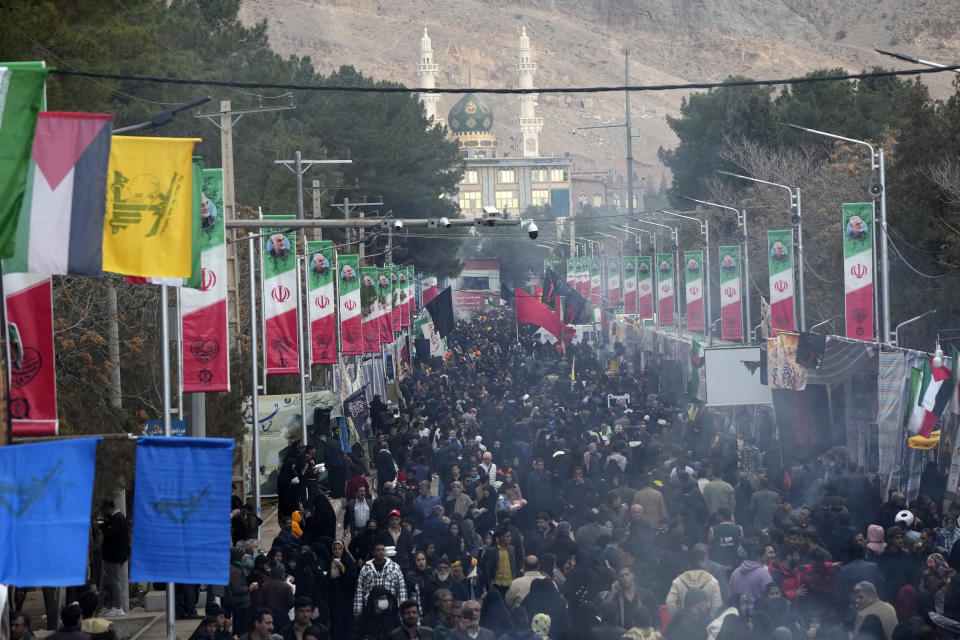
point(541, 626)
point(936, 578)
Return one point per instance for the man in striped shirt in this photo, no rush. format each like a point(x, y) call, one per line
point(379, 572)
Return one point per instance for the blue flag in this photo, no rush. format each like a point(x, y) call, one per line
point(181, 510)
point(46, 490)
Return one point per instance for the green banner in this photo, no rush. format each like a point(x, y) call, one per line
point(780, 260)
point(731, 324)
point(858, 269)
point(279, 250)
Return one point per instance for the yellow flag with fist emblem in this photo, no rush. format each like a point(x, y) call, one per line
point(148, 229)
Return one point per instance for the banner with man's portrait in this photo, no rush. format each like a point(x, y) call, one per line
point(278, 253)
point(321, 266)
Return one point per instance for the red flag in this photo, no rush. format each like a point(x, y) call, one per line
point(529, 310)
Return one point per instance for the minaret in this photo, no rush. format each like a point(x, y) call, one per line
point(530, 124)
point(427, 73)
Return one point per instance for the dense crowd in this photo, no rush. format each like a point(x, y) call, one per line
point(512, 499)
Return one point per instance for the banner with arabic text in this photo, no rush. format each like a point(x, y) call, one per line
point(858, 269)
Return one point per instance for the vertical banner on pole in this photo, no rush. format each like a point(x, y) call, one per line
point(571, 273)
point(780, 254)
point(370, 309)
point(348, 293)
point(858, 269)
point(403, 282)
point(645, 287)
point(613, 280)
point(665, 289)
point(731, 322)
point(30, 358)
point(279, 255)
point(397, 304)
point(206, 358)
point(430, 289)
point(630, 285)
point(411, 296)
point(583, 277)
point(385, 304)
point(320, 302)
point(693, 279)
point(596, 281)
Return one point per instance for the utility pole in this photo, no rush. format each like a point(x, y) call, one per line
point(348, 208)
point(299, 166)
point(626, 73)
point(224, 120)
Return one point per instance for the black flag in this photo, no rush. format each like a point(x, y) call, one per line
point(441, 312)
point(550, 291)
point(506, 293)
point(573, 303)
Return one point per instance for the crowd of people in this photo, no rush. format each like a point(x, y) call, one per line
point(511, 499)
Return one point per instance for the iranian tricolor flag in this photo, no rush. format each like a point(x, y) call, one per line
point(33, 383)
point(206, 356)
point(430, 289)
point(385, 305)
point(596, 281)
point(780, 253)
point(858, 269)
point(644, 287)
point(369, 309)
point(320, 269)
point(731, 318)
point(693, 268)
point(929, 398)
point(278, 251)
point(665, 289)
point(397, 305)
point(630, 285)
point(403, 284)
point(411, 295)
point(613, 280)
point(571, 274)
point(348, 294)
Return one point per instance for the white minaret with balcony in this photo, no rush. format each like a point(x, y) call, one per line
point(427, 73)
point(530, 124)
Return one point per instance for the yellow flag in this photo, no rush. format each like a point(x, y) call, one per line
point(148, 230)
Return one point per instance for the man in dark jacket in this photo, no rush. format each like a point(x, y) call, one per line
point(410, 628)
point(498, 565)
point(302, 611)
point(333, 459)
point(115, 552)
point(70, 617)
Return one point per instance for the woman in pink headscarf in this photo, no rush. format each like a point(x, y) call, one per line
point(875, 543)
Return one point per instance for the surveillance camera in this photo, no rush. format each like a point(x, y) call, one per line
point(875, 189)
point(398, 224)
point(445, 222)
point(533, 231)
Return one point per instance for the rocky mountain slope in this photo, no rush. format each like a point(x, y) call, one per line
point(581, 43)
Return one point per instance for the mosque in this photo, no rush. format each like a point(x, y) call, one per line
point(510, 181)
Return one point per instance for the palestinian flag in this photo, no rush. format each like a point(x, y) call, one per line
point(932, 396)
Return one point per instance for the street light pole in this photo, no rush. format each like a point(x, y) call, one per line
point(626, 74)
point(796, 206)
point(876, 164)
point(742, 223)
point(619, 240)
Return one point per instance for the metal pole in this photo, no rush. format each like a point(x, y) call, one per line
point(299, 171)
point(317, 213)
point(180, 413)
point(165, 359)
point(803, 256)
point(884, 255)
point(304, 366)
point(626, 75)
point(255, 375)
point(747, 338)
point(707, 293)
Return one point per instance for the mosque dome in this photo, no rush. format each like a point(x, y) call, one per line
point(470, 115)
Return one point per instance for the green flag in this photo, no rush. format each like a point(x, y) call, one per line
point(21, 99)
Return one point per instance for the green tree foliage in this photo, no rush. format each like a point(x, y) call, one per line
point(736, 129)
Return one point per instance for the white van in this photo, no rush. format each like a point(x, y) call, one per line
point(584, 333)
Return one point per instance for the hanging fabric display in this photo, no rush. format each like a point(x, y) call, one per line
point(348, 294)
point(858, 269)
point(780, 253)
point(665, 289)
point(731, 322)
point(693, 270)
point(320, 269)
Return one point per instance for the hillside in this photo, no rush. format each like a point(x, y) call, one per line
point(581, 43)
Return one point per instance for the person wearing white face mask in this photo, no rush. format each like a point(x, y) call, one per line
point(380, 573)
point(380, 615)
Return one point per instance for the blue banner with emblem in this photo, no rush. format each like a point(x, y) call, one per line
point(181, 510)
point(46, 489)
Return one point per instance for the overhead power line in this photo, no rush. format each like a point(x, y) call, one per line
point(456, 90)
